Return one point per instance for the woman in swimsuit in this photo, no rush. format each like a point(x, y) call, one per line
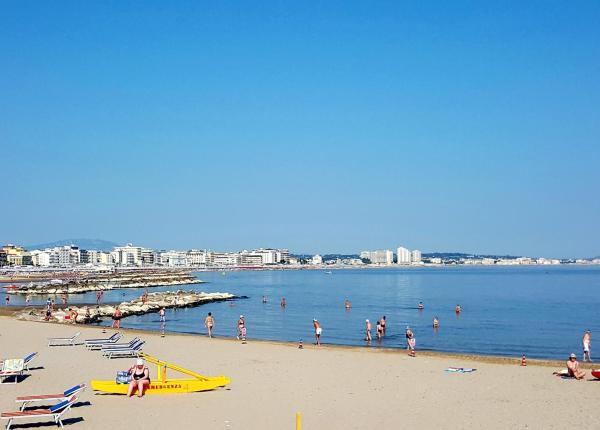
point(140, 378)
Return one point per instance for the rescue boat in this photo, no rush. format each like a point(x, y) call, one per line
point(164, 385)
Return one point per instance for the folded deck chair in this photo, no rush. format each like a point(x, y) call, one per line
point(129, 352)
point(112, 339)
point(117, 346)
point(63, 341)
point(26, 400)
point(94, 344)
point(55, 413)
point(29, 359)
point(13, 367)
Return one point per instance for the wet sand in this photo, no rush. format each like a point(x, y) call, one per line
point(333, 387)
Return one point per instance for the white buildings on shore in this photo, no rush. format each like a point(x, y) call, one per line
point(383, 257)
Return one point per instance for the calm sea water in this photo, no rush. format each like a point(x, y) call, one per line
point(538, 311)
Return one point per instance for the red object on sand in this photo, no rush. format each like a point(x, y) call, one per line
point(596, 373)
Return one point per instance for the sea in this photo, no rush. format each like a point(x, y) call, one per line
point(539, 311)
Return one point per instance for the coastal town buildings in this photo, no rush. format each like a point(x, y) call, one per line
point(403, 255)
point(415, 256)
point(381, 257)
point(316, 260)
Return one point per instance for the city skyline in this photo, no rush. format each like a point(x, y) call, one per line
point(327, 127)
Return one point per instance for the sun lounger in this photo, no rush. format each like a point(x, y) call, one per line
point(127, 352)
point(93, 344)
point(12, 368)
point(127, 345)
point(54, 413)
point(63, 341)
point(29, 359)
point(26, 400)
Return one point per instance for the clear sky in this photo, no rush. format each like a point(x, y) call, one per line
point(330, 126)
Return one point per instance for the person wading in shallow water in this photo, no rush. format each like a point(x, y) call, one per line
point(318, 331)
point(209, 323)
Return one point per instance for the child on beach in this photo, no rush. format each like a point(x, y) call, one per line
point(411, 346)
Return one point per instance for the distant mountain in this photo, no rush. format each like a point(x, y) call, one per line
point(97, 244)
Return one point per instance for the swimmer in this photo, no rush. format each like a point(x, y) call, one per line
point(420, 307)
point(347, 304)
point(282, 303)
point(368, 331)
point(264, 299)
point(458, 309)
point(436, 322)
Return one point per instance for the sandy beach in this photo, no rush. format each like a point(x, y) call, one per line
point(333, 387)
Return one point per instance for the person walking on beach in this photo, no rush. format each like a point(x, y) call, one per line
point(209, 323)
point(573, 367)
point(318, 331)
point(368, 333)
point(241, 326)
point(586, 346)
point(411, 346)
point(117, 318)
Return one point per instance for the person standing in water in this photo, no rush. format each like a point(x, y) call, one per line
point(586, 346)
point(347, 304)
point(436, 322)
point(318, 331)
point(161, 314)
point(368, 331)
point(382, 323)
point(282, 303)
point(209, 323)
point(241, 326)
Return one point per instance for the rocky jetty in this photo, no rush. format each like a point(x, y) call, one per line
point(147, 280)
point(153, 303)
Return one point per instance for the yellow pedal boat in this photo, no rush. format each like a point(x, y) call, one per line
point(163, 385)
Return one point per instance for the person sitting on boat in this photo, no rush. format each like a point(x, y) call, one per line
point(140, 378)
point(573, 367)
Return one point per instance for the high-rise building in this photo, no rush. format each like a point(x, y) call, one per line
point(415, 256)
point(403, 255)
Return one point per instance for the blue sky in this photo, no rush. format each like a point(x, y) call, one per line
point(322, 127)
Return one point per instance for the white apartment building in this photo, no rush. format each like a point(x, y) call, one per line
point(404, 256)
point(40, 258)
point(383, 257)
point(128, 255)
point(196, 257)
point(415, 256)
point(251, 259)
point(173, 258)
point(316, 260)
point(223, 258)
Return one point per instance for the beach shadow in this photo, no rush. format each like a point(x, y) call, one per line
point(66, 422)
point(37, 368)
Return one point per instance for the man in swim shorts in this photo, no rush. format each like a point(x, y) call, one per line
point(318, 331)
point(368, 331)
point(586, 346)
